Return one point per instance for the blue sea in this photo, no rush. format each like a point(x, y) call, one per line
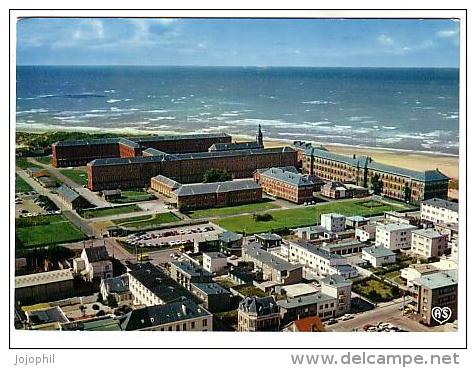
point(408, 108)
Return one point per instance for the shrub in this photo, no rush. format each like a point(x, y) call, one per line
point(262, 217)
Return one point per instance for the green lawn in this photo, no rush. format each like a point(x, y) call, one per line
point(250, 290)
point(46, 230)
point(79, 176)
point(302, 216)
point(44, 159)
point(232, 210)
point(109, 211)
point(376, 290)
point(146, 221)
point(22, 163)
point(128, 196)
point(21, 185)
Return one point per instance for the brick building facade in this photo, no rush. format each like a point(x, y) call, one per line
point(79, 153)
point(183, 168)
point(395, 182)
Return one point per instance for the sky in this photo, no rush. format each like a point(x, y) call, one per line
point(238, 42)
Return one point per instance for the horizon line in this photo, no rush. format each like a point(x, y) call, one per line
point(243, 66)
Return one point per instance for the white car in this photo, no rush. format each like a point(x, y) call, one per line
point(347, 316)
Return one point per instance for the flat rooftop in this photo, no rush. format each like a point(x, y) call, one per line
point(441, 203)
point(42, 278)
point(428, 233)
point(438, 280)
point(378, 251)
point(395, 226)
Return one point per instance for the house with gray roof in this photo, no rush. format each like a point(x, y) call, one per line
point(116, 287)
point(378, 256)
point(183, 315)
point(273, 267)
point(226, 193)
point(186, 273)
point(71, 198)
point(258, 314)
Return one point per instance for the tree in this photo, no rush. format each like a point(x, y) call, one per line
point(376, 184)
point(407, 193)
point(111, 301)
point(100, 299)
point(216, 175)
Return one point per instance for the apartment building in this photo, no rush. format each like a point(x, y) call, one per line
point(439, 210)
point(274, 268)
point(333, 222)
point(394, 236)
point(366, 232)
point(176, 316)
point(150, 286)
point(429, 243)
point(214, 262)
point(185, 273)
point(318, 260)
point(435, 290)
point(333, 300)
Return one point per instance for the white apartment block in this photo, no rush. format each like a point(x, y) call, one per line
point(439, 210)
point(214, 262)
point(428, 243)
point(394, 236)
point(318, 260)
point(333, 222)
point(366, 232)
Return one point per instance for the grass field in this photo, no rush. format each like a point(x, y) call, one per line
point(22, 163)
point(233, 210)
point(302, 216)
point(129, 196)
point(44, 159)
point(79, 176)
point(109, 211)
point(21, 185)
point(376, 290)
point(250, 290)
point(146, 221)
point(47, 230)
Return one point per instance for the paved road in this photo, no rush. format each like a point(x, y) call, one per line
point(386, 313)
point(72, 216)
point(86, 193)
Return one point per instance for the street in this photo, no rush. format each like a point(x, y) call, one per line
point(388, 312)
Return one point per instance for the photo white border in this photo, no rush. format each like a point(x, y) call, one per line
point(124, 340)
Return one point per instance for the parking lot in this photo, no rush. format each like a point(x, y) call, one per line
point(172, 237)
point(30, 204)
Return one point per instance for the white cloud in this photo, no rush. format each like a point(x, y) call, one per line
point(385, 40)
point(447, 33)
point(89, 29)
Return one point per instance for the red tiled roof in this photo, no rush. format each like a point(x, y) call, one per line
point(309, 324)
